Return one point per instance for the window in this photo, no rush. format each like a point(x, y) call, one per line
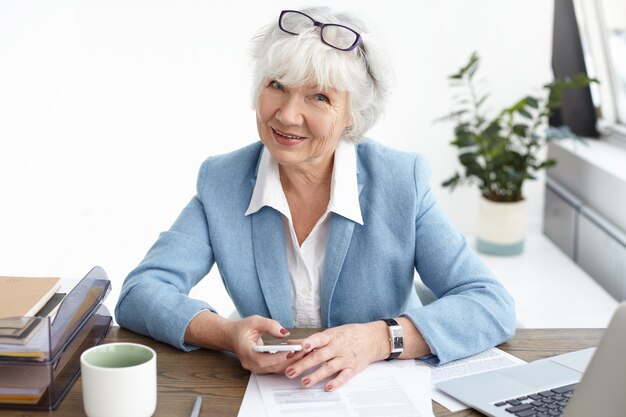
point(602, 25)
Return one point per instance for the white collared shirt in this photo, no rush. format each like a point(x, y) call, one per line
point(306, 263)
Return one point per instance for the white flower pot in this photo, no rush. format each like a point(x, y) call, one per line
point(502, 227)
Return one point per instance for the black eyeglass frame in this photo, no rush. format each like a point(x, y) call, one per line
point(321, 25)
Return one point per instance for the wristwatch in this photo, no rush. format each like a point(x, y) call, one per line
point(395, 338)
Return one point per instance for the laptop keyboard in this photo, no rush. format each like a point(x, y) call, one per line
point(541, 404)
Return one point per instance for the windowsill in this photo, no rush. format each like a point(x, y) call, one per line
point(607, 155)
point(614, 133)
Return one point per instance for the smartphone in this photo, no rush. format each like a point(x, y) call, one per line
point(283, 347)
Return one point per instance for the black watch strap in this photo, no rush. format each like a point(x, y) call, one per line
point(396, 340)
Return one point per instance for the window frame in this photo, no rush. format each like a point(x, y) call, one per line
point(593, 34)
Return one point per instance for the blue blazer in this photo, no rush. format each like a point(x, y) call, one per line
point(368, 271)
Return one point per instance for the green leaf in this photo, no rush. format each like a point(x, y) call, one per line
point(452, 181)
point(464, 140)
point(481, 100)
point(467, 158)
point(525, 113)
point(450, 116)
point(462, 129)
point(546, 164)
point(532, 102)
point(497, 148)
point(520, 130)
point(557, 87)
point(468, 69)
point(474, 171)
point(520, 105)
point(492, 130)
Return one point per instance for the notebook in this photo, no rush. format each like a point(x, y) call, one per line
point(17, 330)
point(522, 390)
point(24, 297)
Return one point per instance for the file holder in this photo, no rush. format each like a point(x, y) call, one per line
point(39, 372)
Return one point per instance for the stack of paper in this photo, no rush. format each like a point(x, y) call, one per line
point(488, 360)
point(18, 386)
point(395, 389)
point(17, 330)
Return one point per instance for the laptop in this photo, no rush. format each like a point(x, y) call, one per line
point(588, 382)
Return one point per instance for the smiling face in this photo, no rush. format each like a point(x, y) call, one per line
point(301, 126)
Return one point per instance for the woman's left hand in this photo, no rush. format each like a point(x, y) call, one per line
point(342, 351)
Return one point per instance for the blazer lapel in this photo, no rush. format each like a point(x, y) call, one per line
point(271, 264)
point(339, 237)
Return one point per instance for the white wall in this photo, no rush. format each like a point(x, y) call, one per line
point(107, 109)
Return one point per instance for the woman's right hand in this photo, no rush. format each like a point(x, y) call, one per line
point(246, 333)
point(208, 330)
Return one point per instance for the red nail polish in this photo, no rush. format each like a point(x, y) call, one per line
point(284, 331)
point(306, 381)
point(291, 372)
point(329, 388)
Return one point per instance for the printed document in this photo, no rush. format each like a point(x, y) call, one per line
point(486, 361)
point(394, 389)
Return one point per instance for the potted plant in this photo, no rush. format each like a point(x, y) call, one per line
point(499, 153)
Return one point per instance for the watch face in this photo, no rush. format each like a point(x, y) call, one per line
point(398, 342)
point(396, 339)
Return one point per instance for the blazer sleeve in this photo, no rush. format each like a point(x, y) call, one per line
point(473, 312)
point(154, 298)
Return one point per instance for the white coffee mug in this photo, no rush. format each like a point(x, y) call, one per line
point(119, 379)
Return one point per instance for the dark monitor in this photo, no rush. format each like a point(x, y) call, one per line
point(577, 110)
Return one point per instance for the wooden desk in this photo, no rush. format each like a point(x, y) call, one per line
point(219, 378)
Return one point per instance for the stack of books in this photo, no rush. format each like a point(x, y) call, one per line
point(42, 334)
point(23, 299)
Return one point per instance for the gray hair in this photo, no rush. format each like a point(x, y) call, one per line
point(304, 59)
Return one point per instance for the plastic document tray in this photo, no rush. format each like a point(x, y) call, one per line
point(38, 372)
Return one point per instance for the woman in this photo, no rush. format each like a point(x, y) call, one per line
point(316, 227)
